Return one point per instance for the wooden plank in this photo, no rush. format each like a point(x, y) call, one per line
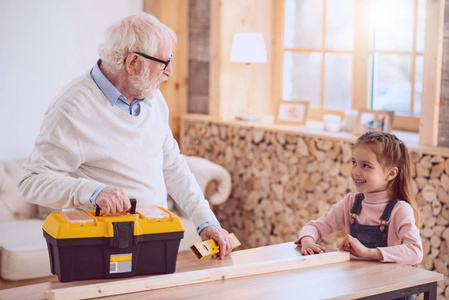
point(249, 262)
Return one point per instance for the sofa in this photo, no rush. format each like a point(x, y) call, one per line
point(23, 249)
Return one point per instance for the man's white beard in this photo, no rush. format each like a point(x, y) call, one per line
point(145, 86)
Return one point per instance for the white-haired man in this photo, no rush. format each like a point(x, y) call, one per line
point(105, 138)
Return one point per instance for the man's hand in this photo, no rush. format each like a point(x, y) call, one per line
point(356, 248)
point(221, 236)
point(308, 246)
point(113, 200)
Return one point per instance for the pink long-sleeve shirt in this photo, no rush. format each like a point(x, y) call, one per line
point(404, 242)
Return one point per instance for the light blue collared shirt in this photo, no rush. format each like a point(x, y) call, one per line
point(117, 99)
point(112, 94)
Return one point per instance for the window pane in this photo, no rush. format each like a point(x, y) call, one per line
point(391, 86)
point(393, 25)
point(418, 86)
point(338, 81)
point(303, 24)
point(421, 25)
point(340, 24)
point(302, 77)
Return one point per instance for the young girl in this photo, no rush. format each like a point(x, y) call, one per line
point(382, 218)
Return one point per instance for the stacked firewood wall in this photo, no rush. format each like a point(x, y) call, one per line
point(282, 180)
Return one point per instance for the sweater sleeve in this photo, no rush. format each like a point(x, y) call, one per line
point(331, 221)
point(404, 242)
point(45, 178)
point(182, 185)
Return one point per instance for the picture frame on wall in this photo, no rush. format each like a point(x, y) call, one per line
point(373, 120)
point(292, 112)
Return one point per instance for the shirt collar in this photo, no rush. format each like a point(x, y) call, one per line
point(108, 89)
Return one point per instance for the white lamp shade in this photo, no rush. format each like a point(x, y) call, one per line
point(248, 48)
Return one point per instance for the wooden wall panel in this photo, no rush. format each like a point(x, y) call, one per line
point(443, 130)
point(199, 56)
point(228, 79)
point(174, 14)
point(433, 59)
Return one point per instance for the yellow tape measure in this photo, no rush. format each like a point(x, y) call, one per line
point(210, 247)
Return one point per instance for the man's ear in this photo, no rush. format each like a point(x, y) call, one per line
point(132, 64)
point(392, 173)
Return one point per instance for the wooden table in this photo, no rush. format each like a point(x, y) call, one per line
point(349, 279)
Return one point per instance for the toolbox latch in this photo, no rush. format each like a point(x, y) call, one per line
point(123, 234)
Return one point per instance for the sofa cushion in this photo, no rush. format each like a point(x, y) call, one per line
point(12, 206)
point(207, 172)
point(24, 253)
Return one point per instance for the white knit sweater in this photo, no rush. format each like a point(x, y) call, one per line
point(84, 141)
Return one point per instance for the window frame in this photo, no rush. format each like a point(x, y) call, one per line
point(427, 123)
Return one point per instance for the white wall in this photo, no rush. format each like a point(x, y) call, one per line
point(44, 45)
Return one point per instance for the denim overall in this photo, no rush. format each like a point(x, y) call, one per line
point(372, 236)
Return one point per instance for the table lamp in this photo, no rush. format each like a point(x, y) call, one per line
point(248, 48)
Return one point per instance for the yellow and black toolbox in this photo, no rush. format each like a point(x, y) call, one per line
point(89, 245)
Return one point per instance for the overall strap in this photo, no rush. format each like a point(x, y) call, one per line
point(388, 209)
point(386, 214)
point(357, 207)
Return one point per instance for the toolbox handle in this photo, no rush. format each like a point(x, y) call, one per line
point(132, 211)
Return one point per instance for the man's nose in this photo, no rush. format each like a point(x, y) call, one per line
point(169, 70)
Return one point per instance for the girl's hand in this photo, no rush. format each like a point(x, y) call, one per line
point(356, 248)
point(308, 246)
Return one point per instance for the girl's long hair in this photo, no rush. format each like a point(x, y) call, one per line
point(392, 152)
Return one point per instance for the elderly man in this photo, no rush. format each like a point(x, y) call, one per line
point(106, 138)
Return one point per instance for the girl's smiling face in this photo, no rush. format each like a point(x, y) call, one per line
point(367, 173)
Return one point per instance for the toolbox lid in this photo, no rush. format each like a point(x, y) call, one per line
point(153, 212)
point(84, 224)
point(77, 216)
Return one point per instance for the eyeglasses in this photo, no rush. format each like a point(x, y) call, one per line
point(165, 62)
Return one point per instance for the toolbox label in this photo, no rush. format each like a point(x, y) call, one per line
point(120, 263)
